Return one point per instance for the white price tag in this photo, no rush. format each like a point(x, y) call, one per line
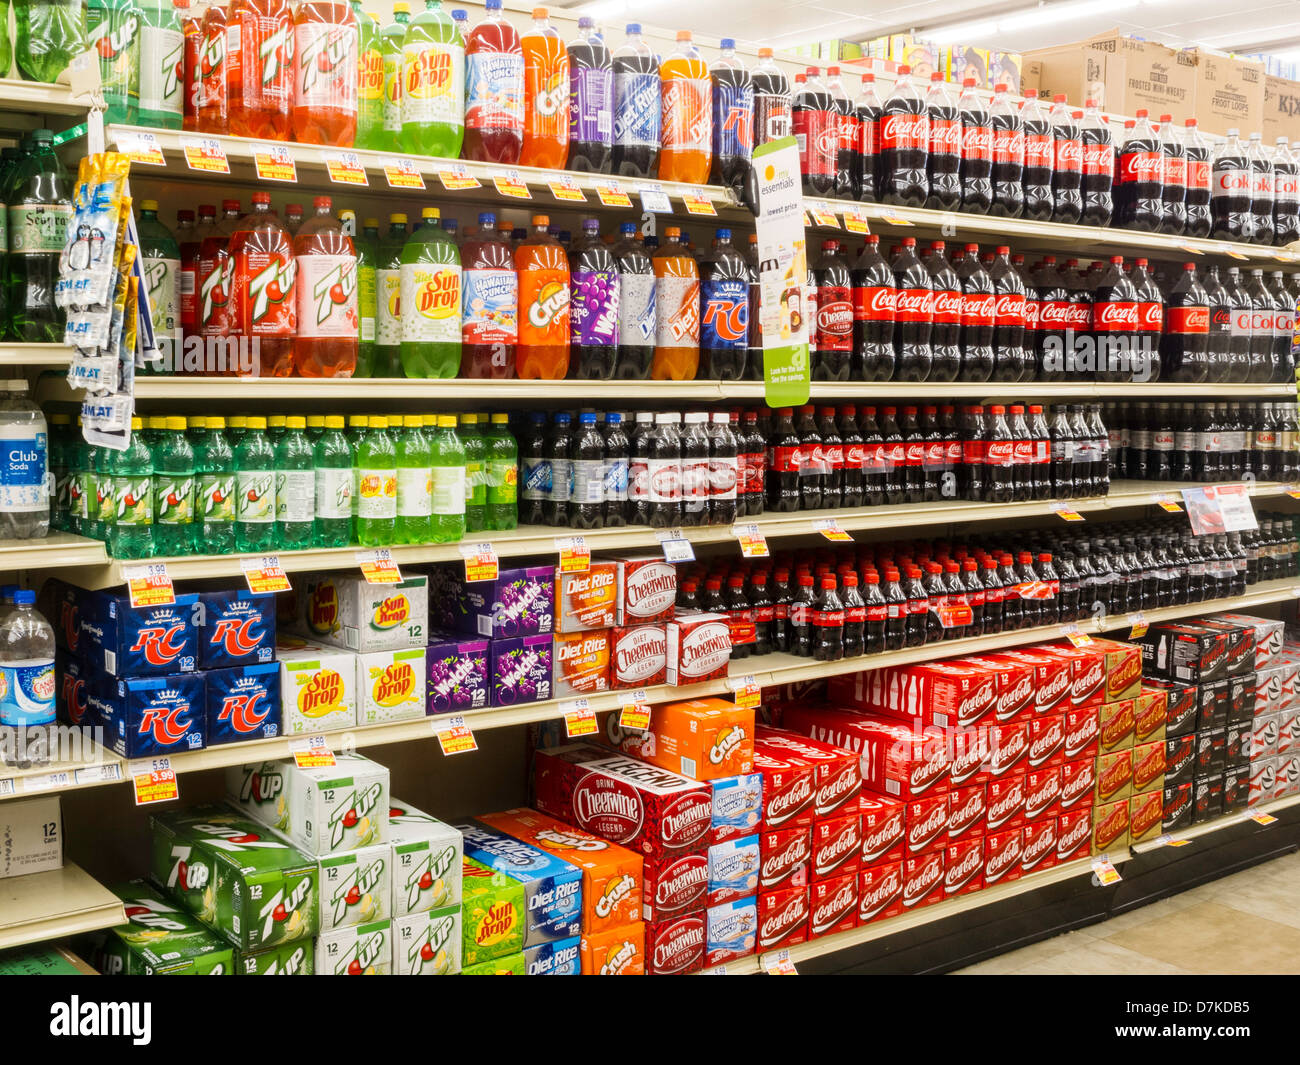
point(1104, 872)
point(654, 199)
point(675, 546)
point(48, 781)
point(99, 774)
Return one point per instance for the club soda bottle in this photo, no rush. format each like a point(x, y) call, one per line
point(328, 319)
point(49, 34)
point(113, 31)
point(213, 528)
point(333, 484)
point(375, 461)
point(370, 82)
point(162, 65)
point(638, 129)
point(494, 90)
point(447, 459)
point(260, 69)
point(543, 269)
point(39, 209)
point(636, 307)
point(295, 486)
point(264, 296)
point(687, 115)
point(388, 300)
point(27, 713)
point(173, 491)
point(414, 483)
point(546, 96)
point(160, 263)
point(255, 489)
point(475, 474)
point(593, 306)
point(677, 310)
point(591, 99)
point(430, 301)
point(367, 296)
point(489, 304)
point(391, 41)
point(433, 84)
point(326, 42)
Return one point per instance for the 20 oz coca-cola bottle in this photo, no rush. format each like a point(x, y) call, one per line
point(1098, 166)
point(904, 145)
point(874, 310)
point(913, 316)
point(1173, 178)
point(976, 151)
point(1008, 139)
point(1040, 151)
point(1067, 162)
point(1138, 183)
point(1230, 191)
point(1197, 202)
point(943, 166)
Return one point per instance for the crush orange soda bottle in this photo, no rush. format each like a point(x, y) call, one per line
point(543, 347)
point(677, 295)
point(260, 54)
point(328, 319)
point(687, 115)
point(546, 96)
point(326, 44)
point(265, 296)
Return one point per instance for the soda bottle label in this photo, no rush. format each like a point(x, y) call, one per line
point(488, 307)
point(327, 296)
point(295, 495)
point(126, 501)
point(23, 466)
point(434, 87)
point(388, 305)
point(115, 40)
point(679, 324)
point(370, 85)
point(902, 132)
point(686, 118)
point(212, 68)
point(333, 492)
point(636, 114)
point(546, 85)
point(726, 314)
point(38, 229)
point(774, 117)
point(234, 59)
point(1039, 151)
point(817, 133)
point(448, 490)
point(430, 303)
point(544, 301)
point(376, 493)
point(1228, 182)
point(1140, 166)
point(393, 92)
point(664, 478)
point(733, 126)
point(494, 90)
point(256, 490)
point(366, 301)
point(216, 492)
point(503, 481)
point(561, 482)
point(160, 277)
point(636, 309)
point(593, 307)
point(173, 500)
point(327, 65)
point(28, 695)
point(588, 481)
point(1098, 159)
point(267, 292)
point(834, 319)
point(724, 472)
point(267, 65)
point(414, 491)
point(591, 105)
point(162, 69)
point(536, 476)
point(615, 480)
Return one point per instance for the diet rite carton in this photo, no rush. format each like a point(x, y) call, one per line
point(146, 717)
point(318, 688)
point(158, 939)
point(611, 875)
point(493, 914)
point(359, 950)
point(131, 641)
point(427, 854)
point(587, 600)
point(562, 958)
point(243, 703)
point(356, 887)
point(427, 943)
point(235, 875)
point(353, 613)
point(236, 628)
point(552, 888)
point(581, 662)
point(390, 686)
point(339, 807)
point(617, 951)
point(287, 959)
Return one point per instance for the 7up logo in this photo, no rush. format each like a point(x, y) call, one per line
point(172, 70)
point(355, 888)
point(214, 292)
point(334, 289)
point(276, 53)
point(272, 286)
point(280, 907)
point(325, 55)
point(350, 814)
point(155, 273)
point(111, 42)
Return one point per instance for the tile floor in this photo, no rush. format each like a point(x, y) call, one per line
point(1247, 923)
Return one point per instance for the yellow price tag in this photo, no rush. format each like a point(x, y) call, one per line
point(511, 184)
point(312, 752)
point(612, 195)
point(378, 566)
point(830, 528)
point(752, 542)
point(275, 164)
point(1079, 639)
point(157, 783)
point(141, 148)
point(894, 220)
point(403, 174)
point(1137, 626)
point(697, 202)
point(345, 168)
point(457, 179)
point(480, 562)
point(149, 585)
point(824, 216)
point(779, 964)
point(1067, 514)
point(454, 736)
point(575, 555)
point(1105, 872)
point(264, 574)
point(579, 718)
point(855, 221)
point(635, 713)
point(748, 692)
point(567, 191)
point(1262, 818)
point(205, 155)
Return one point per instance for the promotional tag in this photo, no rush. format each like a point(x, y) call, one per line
point(612, 195)
point(98, 774)
point(830, 528)
point(654, 199)
point(1065, 513)
point(1262, 818)
point(48, 781)
point(579, 718)
point(403, 174)
point(575, 555)
point(1104, 872)
point(345, 168)
point(1079, 639)
point(154, 781)
point(149, 585)
point(635, 713)
point(779, 964)
point(1137, 626)
point(264, 574)
point(457, 178)
point(509, 183)
point(141, 147)
point(480, 562)
point(894, 220)
point(855, 221)
point(675, 546)
point(454, 736)
point(566, 190)
point(275, 163)
point(378, 567)
point(205, 155)
point(312, 752)
point(752, 542)
point(824, 216)
point(697, 202)
point(1169, 841)
point(748, 691)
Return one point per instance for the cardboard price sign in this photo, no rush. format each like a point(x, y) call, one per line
point(149, 585)
point(205, 155)
point(154, 782)
point(635, 713)
point(264, 574)
point(378, 566)
point(575, 555)
point(480, 562)
point(454, 736)
point(579, 718)
point(312, 752)
point(275, 164)
point(752, 542)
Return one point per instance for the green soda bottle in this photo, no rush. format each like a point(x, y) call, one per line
point(433, 85)
point(113, 27)
point(173, 491)
point(502, 464)
point(414, 483)
point(255, 489)
point(130, 502)
point(475, 474)
point(101, 501)
point(448, 458)
point(357, 426)
point(295, 486)
point(275, 428)
point(214, 465)
point(315, 427)
point(430, 301)
point(370, 88)
point(391, 39)
point(334, 485)
point(40, 205)
point(154, 427)
point(162, 65)
point(238, 426)
point(61, 451)
point(198, 429)
point(376, 466)
point(160, 262)
point(49, 34)
point(78, 479)
point(367, 257)
point(388, 300)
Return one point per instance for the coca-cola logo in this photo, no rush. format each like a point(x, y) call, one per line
point(1073, 832)
point(1118, 726)
point(1115, 822)
point(1141, 166)
point(1147, 815)
point(780, 865)
point(880, 838)
point(1041, 798)
point(947, 306)
point(968, 756)
point(775, 927)
point(924, 831)
point(913, 304)
point(977, 142)
point(1115, 317)
point(945, 136)
point(926, 774)
point(1012, 747)
point(1053, 313)
point(681, 882)
point(1041, 843)
point(1077, 784)
point(833, 793)
point(1047, 742)
point(680, 945)
point(976, 703)
point(1069, 155)
point(1087, 681)
point(881, 894)
point(1081, 737)
point(1003, 806)
point(827, 913)
point(1178, 804)
point(608, 807)
point(876, 304)
point(1008, 145)
point(787, 803)
point(978, 308)
point(686, 819)
point(1115, 775)
point(923, 880)
point(1015, 698)
point(902, 131)
point(1126, 673)
point(1053, 689)
point(967, 814)
point(838, 849)
point(1009, 305)
point(1149, 767)
point(959, 874)
point(1001, 861)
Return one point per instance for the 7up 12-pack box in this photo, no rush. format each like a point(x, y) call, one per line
point(427, 943)
point(235, 875)
point(285, 959)
point(158, 940)
point(355, 887)
point(350, 612)
point(362, 950)
point(426, 860)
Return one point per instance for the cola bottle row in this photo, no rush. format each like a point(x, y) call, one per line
point(1204, 441)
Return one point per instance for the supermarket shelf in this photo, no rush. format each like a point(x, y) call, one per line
point(33, 98)
point(1220, 823)
point(959, 227)
point(62, 902)
point(854, 937)
point(58, 550)
point(540, 540)
point(22, 356)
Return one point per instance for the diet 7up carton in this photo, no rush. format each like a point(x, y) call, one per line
point(260, 790)
point(427, 943)
point(390, 686)
point(426, 860)
point(235, 875)
point(158, 939)
point(287, 959)
point(318, 687)
point(353, 613)
point(337, 808)
point(355, 887)
point(362, 950)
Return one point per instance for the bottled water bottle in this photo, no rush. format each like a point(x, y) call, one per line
point(26, 683)
point(24, 466)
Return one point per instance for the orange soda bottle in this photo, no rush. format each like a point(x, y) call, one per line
point(687, 115)
point(542, 350)
point(327, 42)
point(546, 96)
point(261, 68)
point(677, 297)
point(265, 298)
point(213, 106)
point(216, 276)
point(328, 319)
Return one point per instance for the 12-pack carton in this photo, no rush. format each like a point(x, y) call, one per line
point(390, 686)
point(129, 641)
point(284, 959)
point(356, 887)
point(242, 703)
point(427, 856)
point(587, 600)
point(646, 590)
point(458, 674)
point(318, 688)
point(356, 950)
point(618, 951)
point(236, 628)
point(704, 739)
point(520, 602)
point(581, 662)
point(159, 939)
point(350, 612)
point(427, 943)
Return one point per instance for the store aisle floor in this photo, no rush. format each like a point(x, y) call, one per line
point(1246, 923)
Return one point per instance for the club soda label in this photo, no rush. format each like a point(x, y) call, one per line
point(494, 90)
point(256, 489)
point(217, 493)
point(636, 115)
point(327, 66)
point(388, 308)
point(434, 83)
point(636, 309)
point(333, 492)
point(593, 306)
point(590, 107)
point(431, 303)
point(173, 500)
point(327, 296)
point(295, 495)
point(162, 52)
point(24, 484)
point(488, 307)
point(414, 491)
point(38, 229)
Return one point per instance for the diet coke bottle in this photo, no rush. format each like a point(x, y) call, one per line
point(1261, 190)
point(1286, 193)
point(1230, 191)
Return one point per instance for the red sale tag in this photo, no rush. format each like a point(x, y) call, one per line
point(697, 202)
point(403, 174)
point(264, 574)
point(454, 736)
point(275, 163)
point(635, 712)
point(345, 168)
point(612, 195)
point(579, 718)
point(457, 179)
point(511, 184)
point(312, 752)
point(566, 190)
point(378, 566)
point(149, 585)
point(480, 562)
point(575, 555)
point(205, 155)
point(154, 781)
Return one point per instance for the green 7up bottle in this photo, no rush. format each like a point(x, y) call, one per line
point(255, 489)
point(214, 467)
point(114, 30)
point(162, 65)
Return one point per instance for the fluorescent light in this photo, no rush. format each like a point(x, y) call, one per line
point(1037, 15)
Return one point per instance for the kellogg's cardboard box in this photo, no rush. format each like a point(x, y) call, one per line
point(350, 612)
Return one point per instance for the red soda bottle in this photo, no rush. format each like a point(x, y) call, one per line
point(328, 319)
point(189, 283)
point(213, 105)
point(489, 303)
point(494, 91)
point(216, 274)
point(264, 297)
point(191, 20)
point(326, 78)
point(261, 78)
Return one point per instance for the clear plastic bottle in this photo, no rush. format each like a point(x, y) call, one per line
point(376, 466)
point(24, 469)
point(501, 462)
point(475, 472)
point(27, 704)
point(173, 491)
point(127, 508)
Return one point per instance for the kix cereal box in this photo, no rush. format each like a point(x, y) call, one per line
point(615, 952)
point(360, 950)
point(426, 860)
point(356, 887)
point(318, 688)
point(493, 915)
point(611, 875)
point(390, 686)
point(427, 943)
point(587, 600)
point(350, 612)
point(581, 663)
point(703, 739)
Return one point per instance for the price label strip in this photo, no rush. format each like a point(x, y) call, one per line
point(99, 774)
point(1137, 626)
point(895, 220)
point(855, 221)
point(824, 216)
point(264, 574)
point(511, 184)
point(575, 555)
point(1066, 514)
point(48, 781)
point(275, 164)
point(141, 148)
point(579, 718)
point(149, 585)
point(1079, 639)
point(654, 199)
point(480, 562)
point(1104, 872)
point(635, 713)
point(1169, 841)
point(154, 781)
point(454, 736)
point(205, 155)
point(345, 168)
point(378, 566)
point(676, 547)
point(457, 179)
point(830, 528)
point(752, 542)
point(312, 752)
point(566, 191)
point(779, 964)
point(748, 691)
point(611, 194)
point(403, 174)
point(1261, 818)
point(697, 202)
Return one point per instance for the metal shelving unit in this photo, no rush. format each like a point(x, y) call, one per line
point(62, 902)
point(1217, 825)
point(59, 550)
